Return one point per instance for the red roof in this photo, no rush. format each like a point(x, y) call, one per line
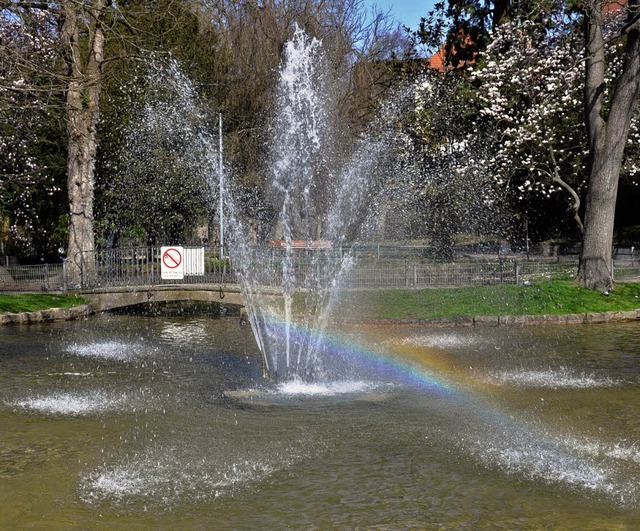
point(441, 62)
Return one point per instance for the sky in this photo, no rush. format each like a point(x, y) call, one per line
point(407, 12)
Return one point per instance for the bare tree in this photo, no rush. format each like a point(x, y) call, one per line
point(359, 48)
point(84, 66)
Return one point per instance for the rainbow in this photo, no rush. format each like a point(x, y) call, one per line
point(484, 429)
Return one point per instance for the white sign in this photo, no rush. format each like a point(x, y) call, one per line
point(172, 263)
point(193, 261)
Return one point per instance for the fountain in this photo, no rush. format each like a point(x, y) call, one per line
point(322, 196)
point(166, 422)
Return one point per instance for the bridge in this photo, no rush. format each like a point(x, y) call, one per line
point(111, 298)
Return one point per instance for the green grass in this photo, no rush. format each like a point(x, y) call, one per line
point(545, 297)
point(29, 302)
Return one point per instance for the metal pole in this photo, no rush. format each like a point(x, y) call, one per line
point(221, 186)
point(526, 234)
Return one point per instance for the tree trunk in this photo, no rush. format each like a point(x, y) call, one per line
point(82, 107)
point(607, 139)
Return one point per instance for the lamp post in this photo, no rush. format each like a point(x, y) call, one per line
point(221, 185)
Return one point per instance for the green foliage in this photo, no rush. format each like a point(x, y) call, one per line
point(29, 302)
point(213, 263)
point(540, 298)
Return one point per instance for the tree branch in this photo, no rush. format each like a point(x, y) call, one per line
point(574, 208)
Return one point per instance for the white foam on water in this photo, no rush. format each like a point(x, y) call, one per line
point(439, 340)
point(561, 378)
point(118, 483)
point(294, 390)
point(300, 388)
point(619, 451)
point(112, 350)
point(165, 483)
point(167, 477)
point(71, 404)
point(555, 465)
point(565, 461)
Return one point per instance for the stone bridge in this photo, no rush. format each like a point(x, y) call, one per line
point(101, 299)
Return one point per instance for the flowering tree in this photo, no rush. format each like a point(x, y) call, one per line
point(58, 49)
point(31, 179)
point(536, 82)
point(529, 94)
point(451, 175)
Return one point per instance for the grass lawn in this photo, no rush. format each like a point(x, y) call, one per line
point(29, 302)
point(544, 297)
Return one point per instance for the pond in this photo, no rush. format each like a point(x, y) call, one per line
point(164, 422)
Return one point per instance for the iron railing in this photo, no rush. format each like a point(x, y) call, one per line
point(380, 274)
point(31, 278)
point(141, 266)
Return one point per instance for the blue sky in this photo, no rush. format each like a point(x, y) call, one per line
point(408, 12)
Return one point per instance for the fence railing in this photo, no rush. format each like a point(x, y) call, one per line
point(627, 268)
point(141, 266)
point(30, 278)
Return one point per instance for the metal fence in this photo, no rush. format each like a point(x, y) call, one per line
point(417, 275)
point(627, 268)
point(141, 266)
point(31, 278)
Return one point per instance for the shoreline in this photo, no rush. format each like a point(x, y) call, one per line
point(85, 310)
point(617, 316)
point(46, 316)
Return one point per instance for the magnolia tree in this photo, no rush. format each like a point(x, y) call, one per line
point(534, 92)
point(30, 183)
point(529, 94)
point(451, 178)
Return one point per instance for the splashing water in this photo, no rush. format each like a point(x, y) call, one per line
point(71, 404)
point(560, 378)
point(323, 198)
point(111, 350)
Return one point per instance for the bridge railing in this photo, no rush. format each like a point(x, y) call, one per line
point(141, 266)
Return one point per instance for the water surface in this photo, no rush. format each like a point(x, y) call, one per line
point(164, 422)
